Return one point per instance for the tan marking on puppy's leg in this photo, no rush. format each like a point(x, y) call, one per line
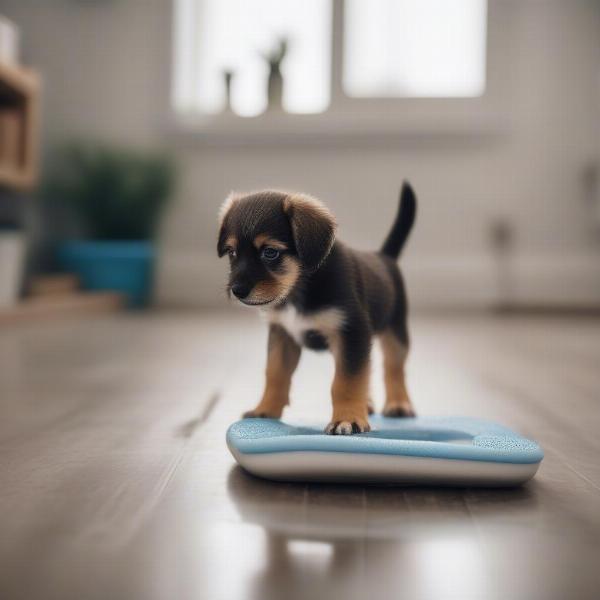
point(397, 401)
point(350, 396)
point(282, 360)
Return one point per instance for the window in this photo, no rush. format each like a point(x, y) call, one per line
point(214, 36)
point(414, 48)
point(391, 48)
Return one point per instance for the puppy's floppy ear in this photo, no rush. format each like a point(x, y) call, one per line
point(313, 228)
point(228, 203)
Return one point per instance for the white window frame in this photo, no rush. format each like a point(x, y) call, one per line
point(350, 119)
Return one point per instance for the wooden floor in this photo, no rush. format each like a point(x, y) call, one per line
point(115, 481)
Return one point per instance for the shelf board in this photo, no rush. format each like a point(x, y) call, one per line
point(18, 79)
point(19, 94)
point(19, 179)
point(67, 306)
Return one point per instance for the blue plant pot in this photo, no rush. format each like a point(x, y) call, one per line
point(121, 266)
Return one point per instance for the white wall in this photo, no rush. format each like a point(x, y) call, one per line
point(106, 70)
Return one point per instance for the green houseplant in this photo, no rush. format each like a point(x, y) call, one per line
point(117, 196)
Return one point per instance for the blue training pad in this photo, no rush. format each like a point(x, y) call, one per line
point(458, 438)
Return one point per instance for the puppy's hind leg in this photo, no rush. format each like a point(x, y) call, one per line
point(395, 350)
point(282, 360)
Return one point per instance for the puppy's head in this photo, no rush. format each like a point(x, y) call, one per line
point(271, 238)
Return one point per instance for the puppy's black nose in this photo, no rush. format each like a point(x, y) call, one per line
point(240, 290)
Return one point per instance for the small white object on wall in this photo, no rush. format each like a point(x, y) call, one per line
point(9, 42)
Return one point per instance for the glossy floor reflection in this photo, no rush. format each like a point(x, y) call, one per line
point(115, 480)
point(348, 542)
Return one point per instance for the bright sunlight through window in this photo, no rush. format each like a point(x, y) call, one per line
point(414, 48)
point(213, 37)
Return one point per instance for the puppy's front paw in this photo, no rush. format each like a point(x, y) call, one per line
point(347, 427)
point(399, 411)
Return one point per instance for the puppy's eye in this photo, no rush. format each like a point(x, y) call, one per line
point(232, 253)
point(269, 253)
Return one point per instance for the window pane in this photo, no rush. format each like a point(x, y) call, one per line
point(419, 48)
point(212, 36)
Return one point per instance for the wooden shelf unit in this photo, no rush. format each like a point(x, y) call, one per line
point(19, 114)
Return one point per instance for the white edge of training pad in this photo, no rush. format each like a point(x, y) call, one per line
point(382, 468)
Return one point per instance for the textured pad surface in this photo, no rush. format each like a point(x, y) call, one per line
point(455, 438)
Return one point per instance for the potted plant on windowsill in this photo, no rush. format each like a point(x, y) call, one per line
point(118, 196)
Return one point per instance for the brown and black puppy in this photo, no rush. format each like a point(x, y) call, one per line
point(320, 294)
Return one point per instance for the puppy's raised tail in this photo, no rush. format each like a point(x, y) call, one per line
point(407, 210)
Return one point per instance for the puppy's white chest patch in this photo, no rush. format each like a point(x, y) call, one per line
point(327, 321)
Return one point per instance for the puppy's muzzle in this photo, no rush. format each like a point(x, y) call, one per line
point(240, 290)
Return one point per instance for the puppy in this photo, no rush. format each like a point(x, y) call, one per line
point(320, 294)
